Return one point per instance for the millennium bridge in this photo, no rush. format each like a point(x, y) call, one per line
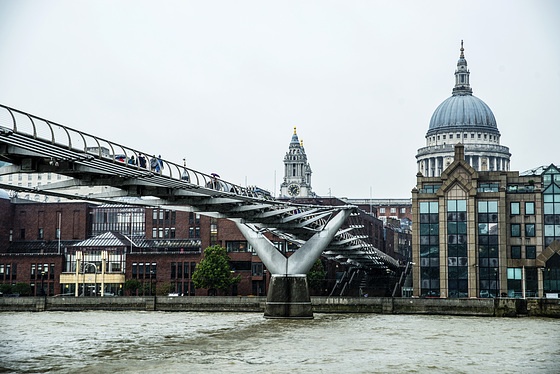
point(35, 145)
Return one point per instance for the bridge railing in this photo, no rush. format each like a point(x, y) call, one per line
point(93, 146)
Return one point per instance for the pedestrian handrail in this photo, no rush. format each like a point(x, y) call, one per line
point(90, 146)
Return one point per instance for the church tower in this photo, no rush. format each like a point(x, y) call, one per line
point(297, 172)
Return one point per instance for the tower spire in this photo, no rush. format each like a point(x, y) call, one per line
point(462, 86)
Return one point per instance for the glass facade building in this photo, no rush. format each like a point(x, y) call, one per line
point(486, 233)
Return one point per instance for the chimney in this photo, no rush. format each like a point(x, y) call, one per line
point(459, 152)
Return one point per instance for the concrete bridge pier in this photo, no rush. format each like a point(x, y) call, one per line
point(288, 297)
point(288, 291)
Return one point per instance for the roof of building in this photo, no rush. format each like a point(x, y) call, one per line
point(462, 111)
point(4, 195)
point(534, 171)
point(108, 239)
point(39, 246)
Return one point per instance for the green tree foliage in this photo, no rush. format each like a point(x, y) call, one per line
point(214, 271)
point(23, 289)
point(164, 289)
point(149, 288)
point(132, 285)
point(317, 275)
point(6, 288)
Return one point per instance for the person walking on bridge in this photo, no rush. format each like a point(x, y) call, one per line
point(141, 161)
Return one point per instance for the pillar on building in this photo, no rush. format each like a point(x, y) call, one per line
point(288, 292)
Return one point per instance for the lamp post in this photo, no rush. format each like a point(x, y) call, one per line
point(43, 293)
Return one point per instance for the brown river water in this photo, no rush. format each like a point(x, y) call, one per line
point(159, 342)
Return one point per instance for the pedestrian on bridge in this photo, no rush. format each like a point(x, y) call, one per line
point(142, 160)
point(159, 165)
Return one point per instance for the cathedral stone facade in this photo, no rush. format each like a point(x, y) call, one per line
point(462, 118)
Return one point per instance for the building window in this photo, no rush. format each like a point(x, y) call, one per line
point(488, 248)
point(381, 210)
point(529, 208)
point(429, 249)
point(236, 246)
point(514, 208)
point(154, 232)
point(40, 234)
point(457, 260)
point(530, 252)
point(191, 232)
point(197, 232)
point(257, 269)
point(393, 210)
point(488, 187)
point(514, 279)
point(530, 229)
point(515, 251)
point(154, 216)
point(450, 136)
point(22, 234)
point(515, 230)
point(403, 210)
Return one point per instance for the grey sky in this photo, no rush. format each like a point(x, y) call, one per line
point(223, 83)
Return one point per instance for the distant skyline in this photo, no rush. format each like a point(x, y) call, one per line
point(223, 83)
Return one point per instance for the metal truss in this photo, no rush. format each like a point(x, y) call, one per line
point(35, 145)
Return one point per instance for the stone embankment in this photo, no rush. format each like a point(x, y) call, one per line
point(503, 307)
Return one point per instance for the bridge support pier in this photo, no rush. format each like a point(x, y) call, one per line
point(288, 297)
point(288, 292)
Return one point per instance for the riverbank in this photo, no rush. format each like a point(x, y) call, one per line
point(502, 307)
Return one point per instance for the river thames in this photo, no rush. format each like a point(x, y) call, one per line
point(159, 342)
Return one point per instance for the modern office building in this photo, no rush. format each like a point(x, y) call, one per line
point(466, 119)
point(486, 233)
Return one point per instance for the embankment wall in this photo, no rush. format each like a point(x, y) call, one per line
point(503, 307)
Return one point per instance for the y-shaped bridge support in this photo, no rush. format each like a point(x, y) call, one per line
point(288, 292)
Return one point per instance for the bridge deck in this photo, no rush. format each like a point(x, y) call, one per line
point(35, 145)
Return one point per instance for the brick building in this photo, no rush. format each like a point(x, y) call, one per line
point(48, 245)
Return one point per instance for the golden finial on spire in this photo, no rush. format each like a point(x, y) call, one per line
point(462, 50)
point(294, 130)
point(301, 142)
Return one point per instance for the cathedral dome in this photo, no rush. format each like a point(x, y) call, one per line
point(463, 113)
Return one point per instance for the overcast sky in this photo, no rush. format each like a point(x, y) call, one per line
point(223, 83)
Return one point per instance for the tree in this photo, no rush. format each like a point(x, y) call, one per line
point(132, 285)
point(164, 288)
point(21, 288)
point(214, 272)
point(317, 275)
point(6, 288)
